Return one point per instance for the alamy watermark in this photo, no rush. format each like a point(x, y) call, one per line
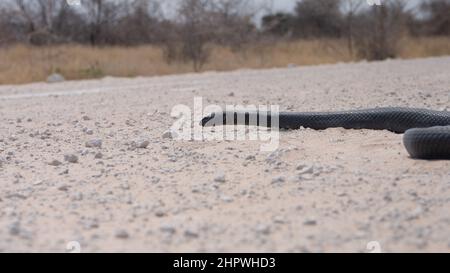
point(373, 247)
point(188, 127)
point(73, 247)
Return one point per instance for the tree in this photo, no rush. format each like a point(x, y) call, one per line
point(102, 16)
point(6, 33)
point(380, 29)
point(140, 24)
point(318, 18)
point(35, 19)
point(278, 24)
point(196, 31)
point(437, 20)
point(70, 25)
point(232, 21)
point(350, 9)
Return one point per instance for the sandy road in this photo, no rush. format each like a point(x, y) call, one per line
point(332, 190)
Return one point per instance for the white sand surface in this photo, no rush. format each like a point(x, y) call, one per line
point(325, 191)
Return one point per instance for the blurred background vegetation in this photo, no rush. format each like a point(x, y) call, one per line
point(147, 37)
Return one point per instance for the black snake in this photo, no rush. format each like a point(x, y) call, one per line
point(426, 132)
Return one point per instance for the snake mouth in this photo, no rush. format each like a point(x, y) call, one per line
point(208, 121)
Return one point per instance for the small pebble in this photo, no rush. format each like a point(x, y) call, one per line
point(63, 188)
point(226, 198)
point(55, 77)
point(250, 158)
point(310, 222)
point(94, 143)
point(71, 158)
point(263, 229)
point(122, 234)
point(278, 179)
point(191, 233)
point(167, 228)
point(220, 178)
point(55, 163)
point(160, 213)
point(169, 135)
point(142, 144)
point(14, 228)
point(304, 169)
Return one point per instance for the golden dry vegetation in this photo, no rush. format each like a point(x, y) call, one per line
point(23, 64)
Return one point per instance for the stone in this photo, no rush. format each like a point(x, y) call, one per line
point(54, 163)
point(263, 229)
point(167, 228)
point(278, 179)
point(220, 178)
point(14, 228)
point(169, 135)
point(55, 78)
point(94, 143)
point(226, 198)
point(122, 234)
point(71, 158)
point(190, 233)
point(142, 143)
point(305, 169)
point(310, 222)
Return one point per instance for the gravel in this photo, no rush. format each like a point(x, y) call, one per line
point(55, 78)
point(94, 143)
point(305, 169)
point(226, 198)
point(55, 163)
point(263, 229)
point(168, 228)
point(191, 233)
point(278, 179)
point(220, 178)
point(169, 134)
point(310, 222)
point(141, 144)
point(71, 158)
point(335, 190)
point(122, 234)
point(14, 228)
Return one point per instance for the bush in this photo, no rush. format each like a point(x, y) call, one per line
point(318, 18)
point(379, 30)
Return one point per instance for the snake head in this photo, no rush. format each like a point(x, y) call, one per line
point(212, 119)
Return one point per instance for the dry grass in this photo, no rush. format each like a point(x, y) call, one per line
point(23, 64)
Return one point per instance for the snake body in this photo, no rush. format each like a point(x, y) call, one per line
point(426, 132)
